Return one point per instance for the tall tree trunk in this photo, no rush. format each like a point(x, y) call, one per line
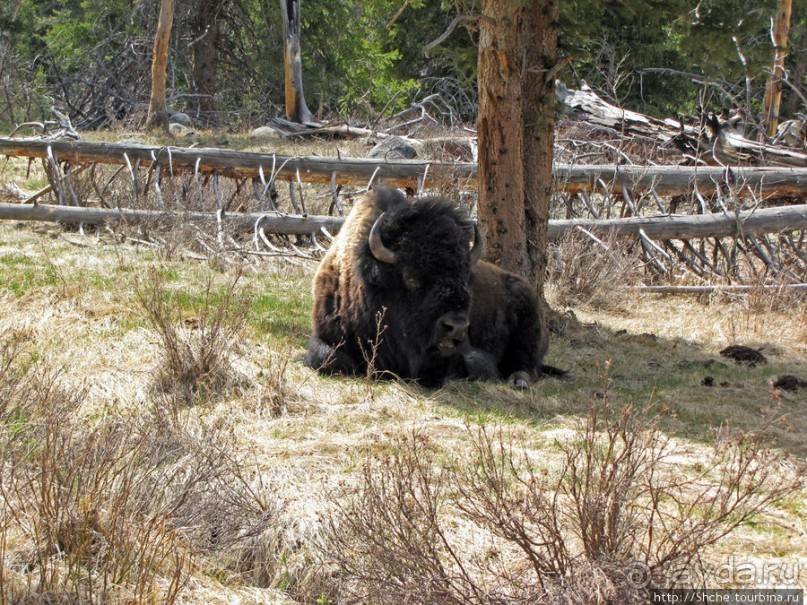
point(296, 109)
point(517, 67)
point(780, 29)
point(798, 41)
point(205, 59)
point(15, 9)
point(158, 112)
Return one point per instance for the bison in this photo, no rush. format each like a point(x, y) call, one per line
point(402, 292)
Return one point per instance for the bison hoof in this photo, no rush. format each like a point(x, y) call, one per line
point(519, 380)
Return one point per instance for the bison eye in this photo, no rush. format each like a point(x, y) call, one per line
point(410, 281)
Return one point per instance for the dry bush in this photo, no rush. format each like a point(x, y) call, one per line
point(196, 347)
point(279, 392)
point(387, 538)
point(124, 509)
point(82, 518)
point(582, 270)
point(614, 517)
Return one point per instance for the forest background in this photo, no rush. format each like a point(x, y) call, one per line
point(366, 60)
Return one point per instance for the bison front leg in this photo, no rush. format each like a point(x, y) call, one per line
point(329, 359)
point(520, 380)
point(479, 365)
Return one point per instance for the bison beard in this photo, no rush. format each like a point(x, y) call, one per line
point(400, 293)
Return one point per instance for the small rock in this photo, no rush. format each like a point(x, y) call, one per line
point(708, 381)
point(178, 130)
point(265, 131)
point(180, 118)
point(393, 148)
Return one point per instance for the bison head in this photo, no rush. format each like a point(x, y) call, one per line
point(418, 267)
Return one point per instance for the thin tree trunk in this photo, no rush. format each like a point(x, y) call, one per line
point(799, 72)
point(296, 108)
point(158, 112)
point(773, 90)
point(205, 58)
point(517, 59)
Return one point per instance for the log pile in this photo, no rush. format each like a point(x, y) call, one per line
point(715, 141)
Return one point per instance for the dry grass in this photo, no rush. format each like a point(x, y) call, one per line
point(251, 480)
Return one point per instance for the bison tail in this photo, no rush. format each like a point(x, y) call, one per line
point(545, 370)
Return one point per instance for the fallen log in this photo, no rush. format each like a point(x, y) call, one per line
point(715, 142)
point(237, 164)
point(663, 180)
point(586, 105)
point(729, 289)
point(767, 220)
point(272, 222)
point(674, 180)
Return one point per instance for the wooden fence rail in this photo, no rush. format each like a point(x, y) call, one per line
point(662, 180)
point(767, 220)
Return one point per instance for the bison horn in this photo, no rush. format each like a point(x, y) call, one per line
point(377, 246)
point(476, 249)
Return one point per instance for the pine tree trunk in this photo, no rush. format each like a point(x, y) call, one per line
point(780, 31)
point(158, 112)
point(296, 108)
point(205, 58)
point(799, 72)
point(517, 64)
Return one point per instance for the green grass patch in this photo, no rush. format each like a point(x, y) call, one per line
point(101, 282)
point(14, 259)
point(281, 317)
point(20, 282)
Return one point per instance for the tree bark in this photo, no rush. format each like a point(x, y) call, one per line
point(296, 108)
point(780, 30)
point(158, 112)
point(205, 59)
point(517, 59)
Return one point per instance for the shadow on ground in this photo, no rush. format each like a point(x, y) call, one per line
point(700, 391)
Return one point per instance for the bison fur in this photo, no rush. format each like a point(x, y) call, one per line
point(401, 292)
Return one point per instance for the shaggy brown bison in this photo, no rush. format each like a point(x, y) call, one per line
point(402, 292)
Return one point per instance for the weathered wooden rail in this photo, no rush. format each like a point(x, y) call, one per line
point(661, 180)
point(767, 242)
point(767, 220)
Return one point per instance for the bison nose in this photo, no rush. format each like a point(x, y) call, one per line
point(454, 326)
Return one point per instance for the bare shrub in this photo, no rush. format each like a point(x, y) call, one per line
point(279, 393)
point(615, 515)
point(195, 347)
point(584, 270)
point(387, 538)
point(124, 509)
point(81, 516)
point(226, 507)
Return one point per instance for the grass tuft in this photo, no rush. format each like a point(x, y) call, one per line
point(197, 338)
